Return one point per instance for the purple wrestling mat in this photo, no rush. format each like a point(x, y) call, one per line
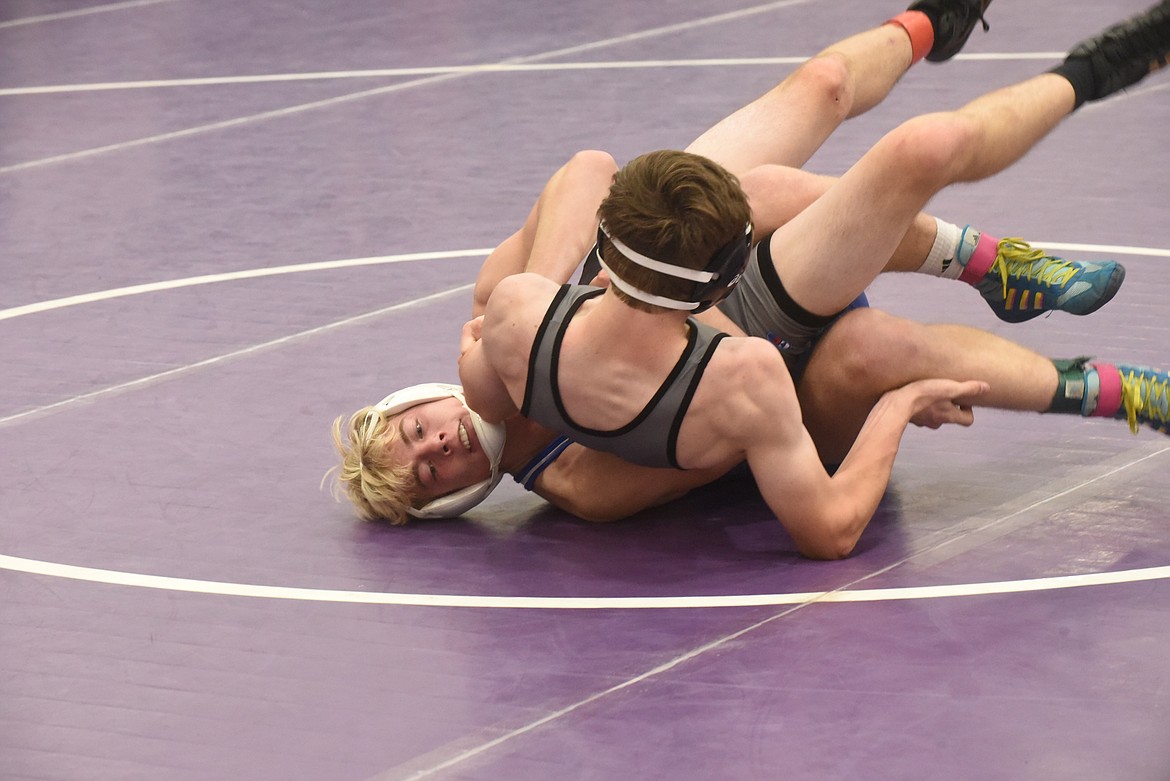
point(224, 224)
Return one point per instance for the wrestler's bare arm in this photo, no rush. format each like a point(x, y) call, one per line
point(824, 514)
point(559, 230)
point(600, 486)
point(483, 389)
point(494, 362)
point(510, 257)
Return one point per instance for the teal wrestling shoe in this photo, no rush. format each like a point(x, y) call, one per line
point(1020, 283)
point(1145, 398)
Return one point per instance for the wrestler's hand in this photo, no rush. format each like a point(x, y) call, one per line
point(937, 402)
point(472, 333)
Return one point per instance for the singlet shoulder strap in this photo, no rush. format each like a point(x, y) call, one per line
point(712, 338)
point(543, 354)
point(527, 475)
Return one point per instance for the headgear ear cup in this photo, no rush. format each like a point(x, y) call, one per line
point(712, 283)
point(727, 265)
point(491, 437)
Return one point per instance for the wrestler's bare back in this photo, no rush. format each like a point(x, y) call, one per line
point(613, 359)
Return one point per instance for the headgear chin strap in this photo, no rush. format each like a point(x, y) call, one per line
point(711, 284)
point(491, 439)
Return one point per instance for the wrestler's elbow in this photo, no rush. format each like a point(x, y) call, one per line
point(829, 537)
point(828, 550)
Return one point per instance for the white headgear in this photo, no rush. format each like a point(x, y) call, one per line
point(491, 438)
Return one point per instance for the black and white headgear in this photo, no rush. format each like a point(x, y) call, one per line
point(491, 437)
point(712, 283)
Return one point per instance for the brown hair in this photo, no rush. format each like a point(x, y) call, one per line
point(672, 206)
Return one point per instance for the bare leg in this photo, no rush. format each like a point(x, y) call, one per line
point(563, 223)
point(831, 251)
point(789, 123)
point(559, 230)
point(869, 352)
point(779, 193)
point(827, 255)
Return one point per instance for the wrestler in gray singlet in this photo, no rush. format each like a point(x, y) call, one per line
point(650, 438)
point(758, 304)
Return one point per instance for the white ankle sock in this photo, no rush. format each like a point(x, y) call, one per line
point(940, 261)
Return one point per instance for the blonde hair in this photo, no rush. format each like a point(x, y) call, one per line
point(379, 487)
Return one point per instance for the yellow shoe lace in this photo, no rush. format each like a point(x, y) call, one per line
point(1017, 258)
point(1144, 395)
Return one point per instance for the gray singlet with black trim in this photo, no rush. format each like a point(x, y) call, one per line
point(651, 437)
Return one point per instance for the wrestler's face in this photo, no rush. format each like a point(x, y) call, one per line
point(438, 440)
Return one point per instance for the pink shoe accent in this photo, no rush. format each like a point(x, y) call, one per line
point(917, 26)
point(981, 260)
point(1109, 398)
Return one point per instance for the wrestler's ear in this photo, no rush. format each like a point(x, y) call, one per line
point(601, 280)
